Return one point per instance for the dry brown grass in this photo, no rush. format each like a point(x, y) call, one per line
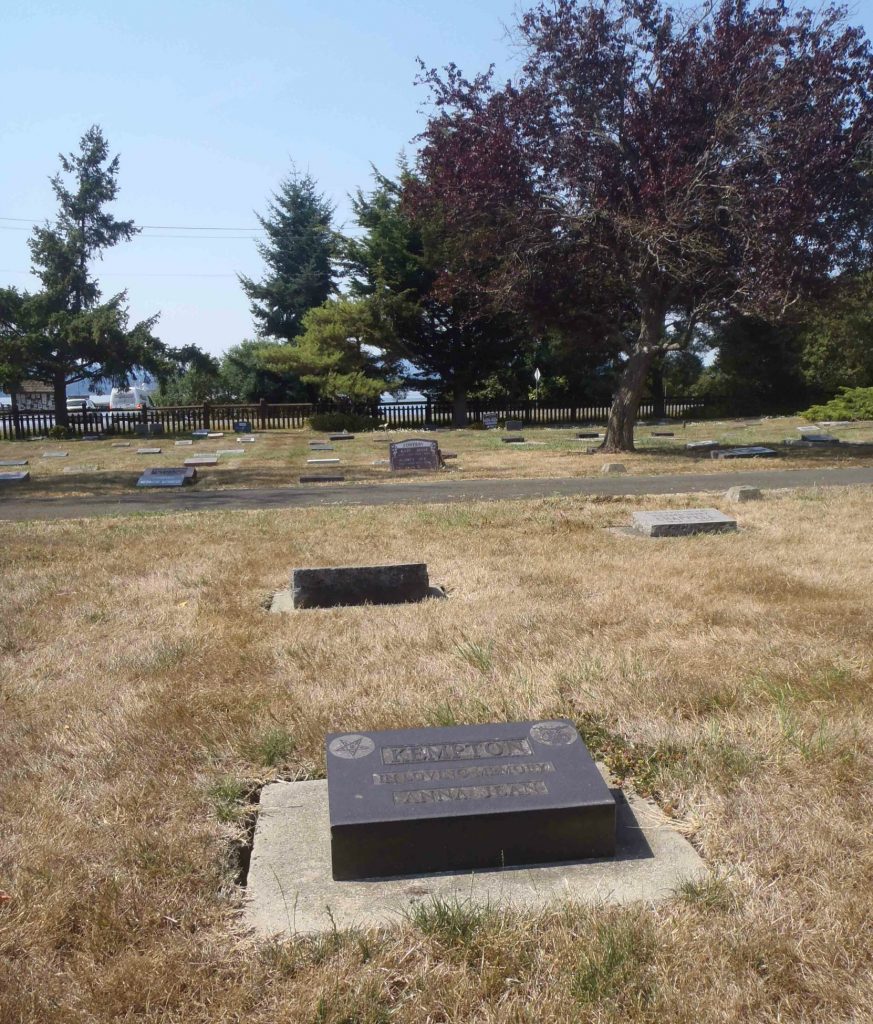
point(143, 689)
point(277, 458)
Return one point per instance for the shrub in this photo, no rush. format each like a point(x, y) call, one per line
point(849, 404)
point(336, 421)
point(58, 433)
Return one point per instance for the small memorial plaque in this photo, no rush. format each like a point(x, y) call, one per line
point(341, 437)
point(166, 476)
point(148, 451)
point(414, 454)
point(55, 455)
point(215, 433)
point(489, 421)
point(402, 583)
point(682, 523)
point(231, 451)
point(181, 444)
point(587, 434)
point(202, 460)
point(121, 444)
point(320, 447)
point(408, 801)
point(514, 425)
point(13, 462)
point(754, 452)
point(663, 433)
point(200, 433)
point(246, 440)
point(321, 462)
point(14, 476)
point(92, 437)
point(517, 439)
point(703, 446)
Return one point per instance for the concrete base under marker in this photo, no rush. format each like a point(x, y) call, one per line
point(291, 890)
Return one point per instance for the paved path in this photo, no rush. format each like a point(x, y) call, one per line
point(19, 508)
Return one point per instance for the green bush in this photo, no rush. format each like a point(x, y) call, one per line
point(58, 433)
point(849, 404)
point(332, 422)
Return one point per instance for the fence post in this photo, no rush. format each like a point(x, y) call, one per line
point(428, 411)
point(262, 414)
point(206, 415)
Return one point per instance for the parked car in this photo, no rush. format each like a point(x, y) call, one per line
point(83, 409)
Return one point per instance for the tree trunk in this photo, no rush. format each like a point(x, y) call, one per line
point(626, 401)
point(62, 419)
point(16, 414)
point(459, 406)
point(659, 397)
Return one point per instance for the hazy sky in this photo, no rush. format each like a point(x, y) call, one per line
point(207, 104)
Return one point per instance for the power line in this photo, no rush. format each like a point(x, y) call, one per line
point(30, 272)
point(157, 227)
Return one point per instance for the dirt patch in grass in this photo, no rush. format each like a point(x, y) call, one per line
point(145, 695)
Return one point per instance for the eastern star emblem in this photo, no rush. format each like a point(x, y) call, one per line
point(351, 746)
point(553, 734)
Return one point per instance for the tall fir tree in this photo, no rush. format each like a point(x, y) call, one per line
point(298, 252)
point(64, 333)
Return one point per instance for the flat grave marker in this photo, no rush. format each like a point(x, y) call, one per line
point(183, 444)
point(246, 440)
point(407, 801)
point(703, 446)
point(402, 583)
point(202, 460)
point(121, 444)
point(148, 451)
point(516, 439)
point(14, 476)
point(321, 462)
point(321, 447)
point(752, 452)
point(341, 437)
point(13, 462)
point(93, 437)
point(55, 455)
point(231, 451)
point(682, 523)
point(662, 433)
point(215, 433)
point(613, 467)
point(415, 454)
point(200, 433)
point(167, 476)
point(583, 434)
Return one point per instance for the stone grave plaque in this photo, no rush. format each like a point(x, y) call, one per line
point(13, 462)
point(341, 437)
point(662, 433)
point(682, 523)
point(200, 433)
point(149, 430)
point(245, 440)
point(322, 462)
point(215, 433)
point(183, 444)
point(121, 444)
point(202, 460)
point(55, 455)
point(166, 476)
point(752, 452)
point(407, 801)
point(320, 447)
point(587, 434)
point(517, 439)
point(231, 451)
point(242, 427)
point(414, 454)
point(323, 478)
point(702, 446)
point(14, 476)
point(148, 451)
point(92, 437)
point(514, 425)
point(821, 438)
point(489, 421)
point(360, 584)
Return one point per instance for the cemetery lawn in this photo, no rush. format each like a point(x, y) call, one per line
point(278, 458)
point(146, 696)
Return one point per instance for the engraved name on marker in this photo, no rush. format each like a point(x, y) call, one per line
point(415, 753)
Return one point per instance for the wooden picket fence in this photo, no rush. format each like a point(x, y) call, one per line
point(182, 419)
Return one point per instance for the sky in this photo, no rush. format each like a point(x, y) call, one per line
point(208, 104)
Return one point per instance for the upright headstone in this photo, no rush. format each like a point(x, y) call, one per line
point(242, 427)
point(682, 523)
point(489, 421)
point(514, 425)
point(361, 584)
point(414, 455)
point(408, 801)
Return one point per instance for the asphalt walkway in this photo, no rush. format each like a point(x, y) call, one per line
point(18, 507)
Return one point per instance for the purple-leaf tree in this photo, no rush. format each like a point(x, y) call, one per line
point(677, 165)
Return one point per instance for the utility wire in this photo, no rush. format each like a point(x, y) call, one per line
point(157, 227)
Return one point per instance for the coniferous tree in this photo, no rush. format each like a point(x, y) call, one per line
point(64, 333)
point(298, 253)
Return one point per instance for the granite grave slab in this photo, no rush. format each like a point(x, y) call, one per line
point(514, 425)
point(752, 452)
point(55, 455)
point(515, 439)
point(341, 437)
point(408, 801)
point(682, 523)
point(415, 454)
point(183, 444)
point(121, 444)
point(148, 451)
point(14, 476)
point(321, 462)
point(167, 476)
point(401, 583)
point(202, 460)
point(231, 451)
point(13, 462)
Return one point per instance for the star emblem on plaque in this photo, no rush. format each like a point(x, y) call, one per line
point(352, 746)
point(553, 734)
